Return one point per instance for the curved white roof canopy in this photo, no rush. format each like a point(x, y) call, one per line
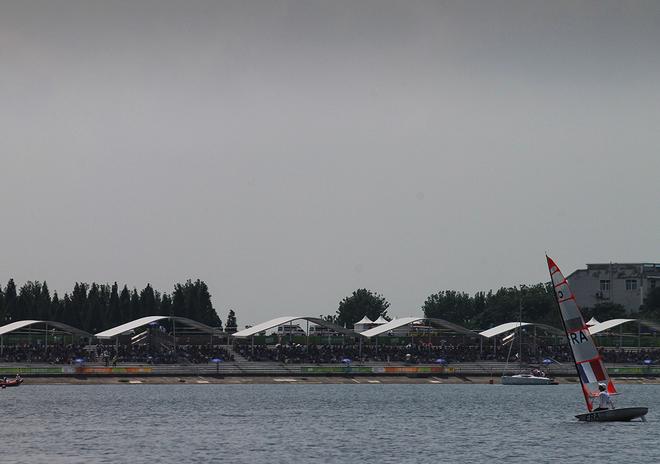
point(592, 321)
point(396, 323)
point(509, 326)
point(255, 329)
point(601, 326)
point(120, 329)
point(58, 325)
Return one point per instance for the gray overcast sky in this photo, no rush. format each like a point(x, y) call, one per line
point(289, 152)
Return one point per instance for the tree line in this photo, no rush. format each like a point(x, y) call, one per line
point(95, 307)
point(531, 303)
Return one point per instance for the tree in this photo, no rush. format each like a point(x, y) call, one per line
point(56, 308)
point(166, 305)
point(651, 307)
point(10, 301)
point(68, 312)
point(26, 303)
point(608, 310)
point(78, 306)
point(178, 301)
point(43, 304)
point(3, 307)
point(124, 305)
point(135, 305)
point(95, 309)
point(361, 303)
point(231, 326)
point(114, 313)
point(451, 305)
point(147, 302)
point(208, 315)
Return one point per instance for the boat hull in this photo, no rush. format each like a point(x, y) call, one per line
point(11, 383)
point(613, 415)
point(526, 380)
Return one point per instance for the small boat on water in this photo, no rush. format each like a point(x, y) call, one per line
point(11, 382)
point(527, 379)
point(588, 362)
point(535, 376)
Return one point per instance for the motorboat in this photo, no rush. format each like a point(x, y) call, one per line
point(527, 379)
point(11, 382)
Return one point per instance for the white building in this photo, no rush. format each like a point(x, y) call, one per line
point(626, 284)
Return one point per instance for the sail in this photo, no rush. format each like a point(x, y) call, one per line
point(588, 363)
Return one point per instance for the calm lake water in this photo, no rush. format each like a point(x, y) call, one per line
point(318, 424)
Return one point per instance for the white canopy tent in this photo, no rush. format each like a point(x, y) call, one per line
point(396, 323)
point(601, 326)
point(509, 326)
point(363, 324)
point(127, 327)
point(49, 327)
point(141, 322)
point(381, 320)
point(612, 323)
point(592, 321)
point(255, 329)
point(18, 325)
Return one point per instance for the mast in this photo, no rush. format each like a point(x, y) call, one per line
point(520, 334)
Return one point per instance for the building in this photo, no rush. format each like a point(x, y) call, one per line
point(626, 284)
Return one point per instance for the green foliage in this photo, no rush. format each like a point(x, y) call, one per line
point(605, 311)
point(483, 310)
point(651, 308)
point(231, 326)
point(10, 301)
point(361, 303)
point(95, 307)
point(452, 306)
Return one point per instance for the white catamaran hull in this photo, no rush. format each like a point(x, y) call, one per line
point(526, 379)
point(614, 415)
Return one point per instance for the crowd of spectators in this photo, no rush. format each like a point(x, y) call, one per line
point(427, 354)
point(183, 354)
point(109, 355)
point(55, 354)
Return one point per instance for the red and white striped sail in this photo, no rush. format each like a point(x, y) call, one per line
point(588, 362)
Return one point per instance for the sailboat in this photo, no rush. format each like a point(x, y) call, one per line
point(588, 362)
point(535, 377)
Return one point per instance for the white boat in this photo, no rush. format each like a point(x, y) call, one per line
point(527, 379)
point(536, 376)
point(588, 363)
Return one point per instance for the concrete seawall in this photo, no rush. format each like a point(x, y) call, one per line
point(247, 372)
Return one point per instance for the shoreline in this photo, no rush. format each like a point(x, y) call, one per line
point(296, 380)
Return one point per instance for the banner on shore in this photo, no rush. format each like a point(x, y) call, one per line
point(73, 370)
point(414, 370)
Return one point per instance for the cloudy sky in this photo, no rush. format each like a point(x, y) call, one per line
point(289, 152)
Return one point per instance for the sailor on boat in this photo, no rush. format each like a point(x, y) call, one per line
point(604, 399)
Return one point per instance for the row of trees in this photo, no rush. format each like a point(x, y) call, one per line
point(95, 307)
point(535, 303)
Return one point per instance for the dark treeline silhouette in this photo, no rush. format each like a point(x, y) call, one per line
point(487, 309)
point(533, 303)
point(536, 303)
point(95, 307)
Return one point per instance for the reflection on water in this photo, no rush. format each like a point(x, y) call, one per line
point(317, 423)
